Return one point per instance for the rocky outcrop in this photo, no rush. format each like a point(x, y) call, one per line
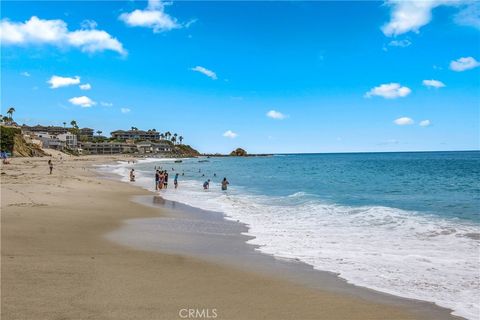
point(12, 141)
point(239, 152)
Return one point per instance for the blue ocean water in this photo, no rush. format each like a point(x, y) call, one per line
point(441, 183)
point(402, 223)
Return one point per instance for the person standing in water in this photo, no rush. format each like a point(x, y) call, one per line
point(166, 180)
point(157, 179)
point(206, 185)
point(225, 183)
point(50, 165)
point(132, 175)
point(175, 181)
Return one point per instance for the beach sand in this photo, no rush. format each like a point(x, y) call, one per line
point(57, 264)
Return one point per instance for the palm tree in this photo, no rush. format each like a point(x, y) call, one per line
point(64, 124)
point(134, 128)
point(174, 140)
point(162, 136)
point(168, 135)
point(99, 132)
point(10, 112)
point(74, 125)
point(181, 139)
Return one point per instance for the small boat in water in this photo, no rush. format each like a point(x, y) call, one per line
point(178, 161)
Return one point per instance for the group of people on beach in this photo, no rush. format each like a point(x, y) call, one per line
point(161, 180)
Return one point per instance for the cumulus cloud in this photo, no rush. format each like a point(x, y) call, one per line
point(205, 71)
point(57, 81)
point(83, 101)
point(38, 31)
point(125, 110)
point(153, 17)
point(403, 121)
point(85, 86)
point(389, 91)
point(424, 123)
point(230, 134)
point(410, 16)
point(276, 115)
point(464, 63)
point(433, 83)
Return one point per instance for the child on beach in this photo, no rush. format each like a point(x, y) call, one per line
point(50, 165)
point(206, 185)
point(225, 183)
point(175, 181)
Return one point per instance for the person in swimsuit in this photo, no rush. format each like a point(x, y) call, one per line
point(157, 179)
point(50, 165)
point(175, 181)
point(225, 183)
point(132, 175)
point(165, 183)
point(206, 185)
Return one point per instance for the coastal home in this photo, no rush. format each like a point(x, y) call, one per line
point(135, 135)
point(153, 147)
point(56, 141)
point(107, 148)
point(86, 133)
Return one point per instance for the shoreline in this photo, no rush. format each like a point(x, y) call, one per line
point(53, 249)
point(209, 236)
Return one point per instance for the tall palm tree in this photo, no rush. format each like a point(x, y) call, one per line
point(99, 132)
point(64, 124)
point(168, 135)
point(10, 112)
point(162, 136)
point(174, 140)
point(181, 139)
point(74, 124)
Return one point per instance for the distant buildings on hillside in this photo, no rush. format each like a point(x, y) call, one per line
point(83, 140)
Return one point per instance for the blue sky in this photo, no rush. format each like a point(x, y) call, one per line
point(266, 76)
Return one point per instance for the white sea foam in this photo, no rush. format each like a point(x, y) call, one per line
point(390, 250)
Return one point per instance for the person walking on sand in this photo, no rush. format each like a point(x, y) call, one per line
point(50, 165)
point(206, 185)
point(225, 183)
point(132, 175)
point(175, 181)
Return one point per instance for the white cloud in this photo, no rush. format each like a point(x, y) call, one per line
point(389, 91)
point(83, 101)
point(106, 104)
point(57, 81)
point(205, 71)
point(424, 123)
point(230, 134)
point(407, 16)
point(153, 17)
point(400, 43)
point(403, 121)
point(276, 115)
point(464, 63)
point(85, 86)
point(433, 83)
point(55, 32)
point(25, 74)
point(469, 16)
point(125, 110)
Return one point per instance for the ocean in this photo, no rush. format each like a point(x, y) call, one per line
point(407, 224)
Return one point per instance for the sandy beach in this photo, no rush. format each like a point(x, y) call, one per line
point(57, 263)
